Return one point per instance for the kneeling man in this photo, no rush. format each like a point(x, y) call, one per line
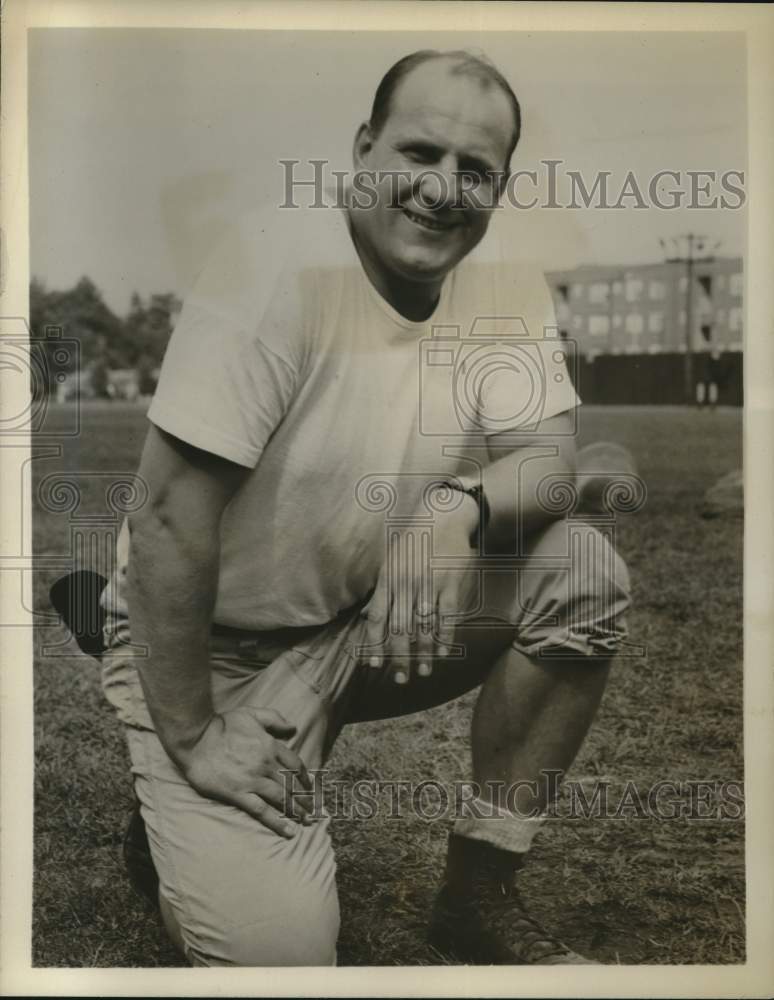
point(351, 447)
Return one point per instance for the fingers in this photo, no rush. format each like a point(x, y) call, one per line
point(266, 814)
point(400, 658)
point(401, 623)
point(425, 620)
point(376, 615)
point(298, 785)
point(277, 790)
point(290, 761)
point(411, 618)
point(448, 606)
point(283, 778)
point(274, 723)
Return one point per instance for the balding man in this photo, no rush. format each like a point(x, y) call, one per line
point(274, 593)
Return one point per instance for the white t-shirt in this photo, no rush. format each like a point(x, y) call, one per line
point(285, 359)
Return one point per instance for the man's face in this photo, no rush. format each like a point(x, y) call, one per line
point(454, 131)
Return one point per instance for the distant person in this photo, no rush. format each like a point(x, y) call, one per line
point(257, 575)
point(708, 387)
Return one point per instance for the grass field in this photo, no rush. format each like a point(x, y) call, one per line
point(633, 889)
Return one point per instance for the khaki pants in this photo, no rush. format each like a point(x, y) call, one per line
point(242, 895)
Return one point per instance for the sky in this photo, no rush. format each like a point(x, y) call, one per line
point(144, 145)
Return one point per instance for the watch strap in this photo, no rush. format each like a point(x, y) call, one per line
point(476, 490)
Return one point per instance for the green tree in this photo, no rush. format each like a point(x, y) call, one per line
point(149, 326)
point(105, 340)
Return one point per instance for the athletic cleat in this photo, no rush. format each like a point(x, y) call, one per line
point(479, 916)
point(138, 860)
point(493, 927)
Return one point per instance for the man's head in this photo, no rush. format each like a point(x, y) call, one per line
point(458, 63)
point(442, 130)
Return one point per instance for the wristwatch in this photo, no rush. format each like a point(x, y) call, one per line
point(484, 511)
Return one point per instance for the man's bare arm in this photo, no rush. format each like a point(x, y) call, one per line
point(236, 757)
point(511, 482)
point(173, 574)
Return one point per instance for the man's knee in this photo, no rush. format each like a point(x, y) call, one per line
point(298, 933)
point(257, 901)
point(575, 593)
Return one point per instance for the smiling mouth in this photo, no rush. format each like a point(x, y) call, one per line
point(429, 223)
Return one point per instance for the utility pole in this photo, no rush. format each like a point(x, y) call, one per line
point(688, 387)
point(695, 246)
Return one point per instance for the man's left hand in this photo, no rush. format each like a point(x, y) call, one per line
point(410, 614)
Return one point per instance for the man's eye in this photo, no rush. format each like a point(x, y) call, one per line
point(419, 155)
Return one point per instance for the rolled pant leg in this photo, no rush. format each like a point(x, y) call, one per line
point(567, 595)
point(571, 597)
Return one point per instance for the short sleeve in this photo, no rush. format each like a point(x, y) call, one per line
point(523, 374)
point(233, 362)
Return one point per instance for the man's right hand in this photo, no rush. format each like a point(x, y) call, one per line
point(241, 759)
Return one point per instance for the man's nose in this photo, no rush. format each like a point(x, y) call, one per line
point(438, 185)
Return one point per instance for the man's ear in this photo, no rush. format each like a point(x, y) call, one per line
point(503, 182)
point(364, 142)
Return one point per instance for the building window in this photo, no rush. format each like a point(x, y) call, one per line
point(577, 322)
point(634, 287)
point(599, 325)
point(657, 290)
point(736, 284)
point(654, 349)
point(617, 288)
point(562, 311)
point(705, 283)
point(720, 279)
point(656, 322)
point(720, 315)
point(735, 319)
point(617, 319)
point(598, 292)
point(576, 291)
point(683, 283)
point(634, 323)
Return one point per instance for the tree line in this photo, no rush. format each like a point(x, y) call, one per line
point(106, 341)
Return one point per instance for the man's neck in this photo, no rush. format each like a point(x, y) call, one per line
point(414, 300)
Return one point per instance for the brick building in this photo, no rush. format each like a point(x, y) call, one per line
point(643, 309)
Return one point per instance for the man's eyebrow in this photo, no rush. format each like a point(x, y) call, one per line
point(425, 145)
point(476, 163)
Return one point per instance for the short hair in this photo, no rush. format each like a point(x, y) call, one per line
point(463, 63)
